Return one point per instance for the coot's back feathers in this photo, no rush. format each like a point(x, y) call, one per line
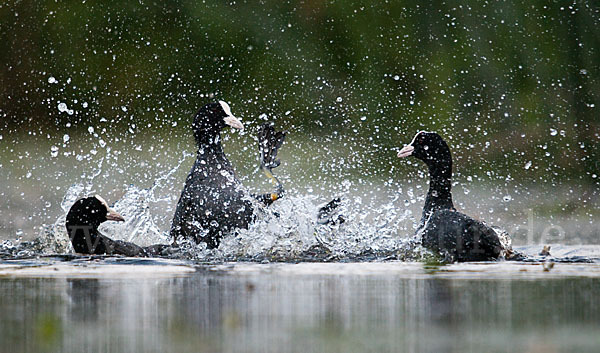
point(459, 237)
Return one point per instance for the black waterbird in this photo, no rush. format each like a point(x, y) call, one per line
point(213, 201)
point(445, 231)
point(83, 220)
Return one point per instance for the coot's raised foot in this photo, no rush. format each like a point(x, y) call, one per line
point(269, 142)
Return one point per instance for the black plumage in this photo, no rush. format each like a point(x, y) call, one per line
point(83, 220)
point(213, 201)
point(444, 230)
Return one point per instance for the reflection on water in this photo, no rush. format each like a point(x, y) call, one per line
point(284, 308)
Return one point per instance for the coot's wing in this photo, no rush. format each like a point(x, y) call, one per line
point(330, 213)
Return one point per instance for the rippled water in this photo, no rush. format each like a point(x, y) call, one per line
point(124, 305)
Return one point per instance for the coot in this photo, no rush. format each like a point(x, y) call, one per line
point(83, 220)
point(452, 234)
point(213, 201)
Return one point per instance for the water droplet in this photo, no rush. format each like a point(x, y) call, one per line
point(62, 107)
point(553, 132)
point(124, 108)
point(528, 165)
point(507, 198)
point(339, 99)
point(66, 138)
point(396, 78)
point(91, 129)
point(51, 80)
point(442, 91)
point(54, 151)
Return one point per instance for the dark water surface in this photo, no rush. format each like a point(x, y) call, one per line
point(128, 305)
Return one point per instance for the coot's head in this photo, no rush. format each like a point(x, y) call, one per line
point(91, 211)
point(211, 119)
point(428, 147)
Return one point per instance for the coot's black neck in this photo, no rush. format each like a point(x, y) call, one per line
point(210, 145)
point(210, 155)
point(440, 184)
point(83, 236)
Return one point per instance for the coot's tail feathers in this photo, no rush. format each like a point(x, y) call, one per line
point(269, 142)
point(330, 213)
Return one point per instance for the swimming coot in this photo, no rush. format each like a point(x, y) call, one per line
point(213, 201)
point(444, 230)
point(83, 220)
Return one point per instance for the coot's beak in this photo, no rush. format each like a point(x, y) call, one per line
point(112, 215)
point(406, 151)
point(233, 122)
point(229, 118)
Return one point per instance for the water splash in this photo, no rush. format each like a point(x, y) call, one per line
point(289, 230)
point(141, 224)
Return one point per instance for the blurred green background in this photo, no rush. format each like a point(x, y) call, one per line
point(513, 86)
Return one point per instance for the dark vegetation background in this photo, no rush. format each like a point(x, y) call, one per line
point(513, 86)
